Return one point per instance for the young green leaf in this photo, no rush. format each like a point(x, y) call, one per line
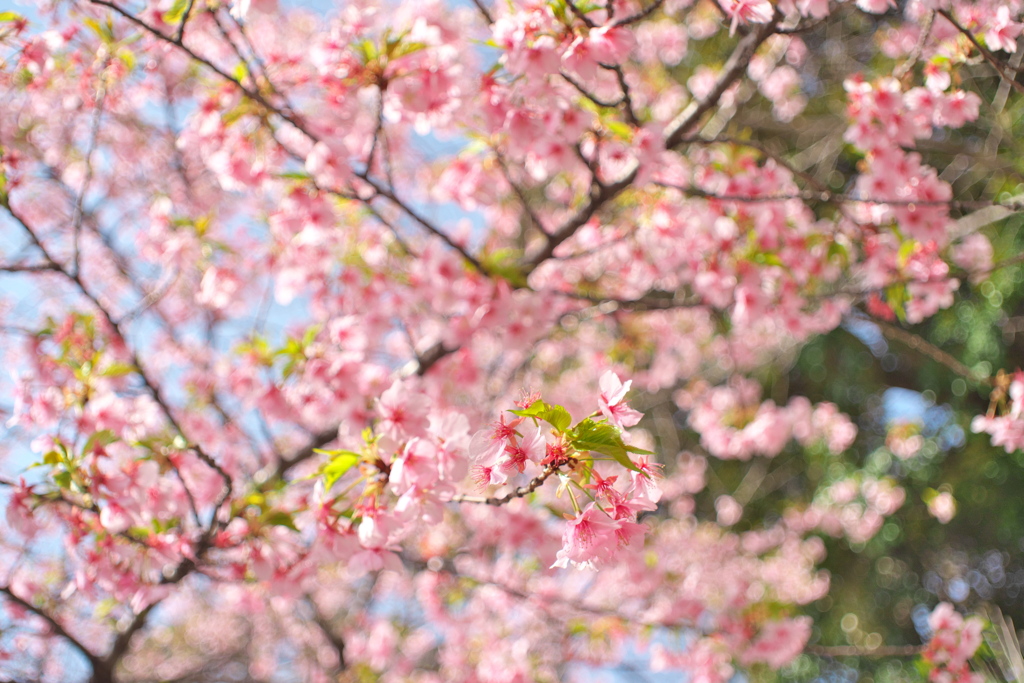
point(601, 437)
point(279, 518)
point(338, 466)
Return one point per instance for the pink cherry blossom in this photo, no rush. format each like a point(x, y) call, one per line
point(612, 401)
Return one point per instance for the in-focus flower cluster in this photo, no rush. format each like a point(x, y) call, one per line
point(954, 641)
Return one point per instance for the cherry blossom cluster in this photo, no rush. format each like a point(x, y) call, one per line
point(903, 193)
point(953, 642)
point(291, 270)
point(733, 422)
point(854, 507)
point(709, 659)
point(1006, 427)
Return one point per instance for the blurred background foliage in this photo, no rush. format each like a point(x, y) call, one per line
point(883, 590)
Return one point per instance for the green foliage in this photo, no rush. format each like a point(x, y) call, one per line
point(341, 462)
point(555, 415)
point(603, 438)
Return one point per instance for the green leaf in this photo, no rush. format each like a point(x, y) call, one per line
point(368, 50)
point(241, 72)
point(405, 49)
point(294, 175)
point(602, 437)
point(127, 57)
point(279, 518)
point(638, 451)
point(767, 259)
point(338, 466)
point(10, 16)
point(619, 130)
point(505, 264)
point(310, 336)
point(94, 25)
point(906, 250)
point(105, 607)
point(558, 417)
point(176, 12)
point(62, 479)
point(535, 410)
point(104, 437)
point(256, 499)
point(117, 370)
point(838, 250)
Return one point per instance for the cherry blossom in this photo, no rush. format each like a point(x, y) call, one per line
point(411, 340)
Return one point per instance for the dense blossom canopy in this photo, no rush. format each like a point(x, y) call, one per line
point(421, 341)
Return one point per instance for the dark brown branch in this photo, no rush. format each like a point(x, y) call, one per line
point(600, 193)
point(254, 95)
point(336, 641)
point(318, 440)
point(520, 492)
point(732, 71)
point(586, 93)
point(420, 366)
point(641, 15)
point(123, 639)
point(95, 661)
point(30, 268)
point(294, 120)
point(855, 651)
point(484, 12)
point(534, 218)
point(828, 196)
point(117, 329)
point(627, 97)
point(424, 223)
point(179, 35)
point(78, 214)
point(654, 300)
point(579, 14)
point(919, 344)
point(989, 57)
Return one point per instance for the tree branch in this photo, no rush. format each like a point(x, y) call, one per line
point(989, 57)
point(734, 68)
point(97, 664)
point(520, 492)
point(855, 651)
point(918, 343)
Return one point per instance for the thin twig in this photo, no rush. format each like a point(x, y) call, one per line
point(829, 196)
point(30, 268)
point(917, 343)
point(484, 12)
point(600, 193)
point(179, 35)
point(641, 15)
point(94, 660)
point(534, 218)
point(989, 57)
point(78, 212)
point(520, 492)
point(627, 98)
point(589, 95)
point(915, 54)
point(294, 120)
point(151, 386)
point(734, 68)
point(855, 651)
